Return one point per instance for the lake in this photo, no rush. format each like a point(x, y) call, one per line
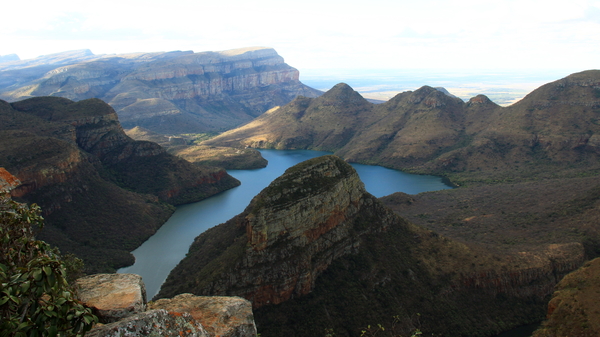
point(156, 257)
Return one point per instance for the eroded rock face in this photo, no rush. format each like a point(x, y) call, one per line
point(292, 231)
point(119, 302)
point(113, 297)
point(220, 316)
point(152, 323)
point(173, 92)
point(572, 311)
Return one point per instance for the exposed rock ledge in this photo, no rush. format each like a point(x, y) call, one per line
point(119, 301)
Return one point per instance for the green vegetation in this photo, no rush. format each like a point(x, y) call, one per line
point(35, 297)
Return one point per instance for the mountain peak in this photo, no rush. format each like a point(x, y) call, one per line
point(305, 186)
point(341, 95)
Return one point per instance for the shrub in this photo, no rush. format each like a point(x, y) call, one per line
point(35, 298)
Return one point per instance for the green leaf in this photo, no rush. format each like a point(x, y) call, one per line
point(37, 274)
point(52, 331)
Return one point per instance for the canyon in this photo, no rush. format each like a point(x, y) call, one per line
point(102, 193)
point(174, 92)
point(315, 251)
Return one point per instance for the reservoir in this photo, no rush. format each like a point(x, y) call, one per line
point(156, 257)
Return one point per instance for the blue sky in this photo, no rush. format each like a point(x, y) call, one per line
point(321, 34)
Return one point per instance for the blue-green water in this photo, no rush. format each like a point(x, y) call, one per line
point(162, 252)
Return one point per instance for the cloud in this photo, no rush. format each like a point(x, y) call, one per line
point(321, 33)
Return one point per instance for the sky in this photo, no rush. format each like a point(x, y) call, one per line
point(321, 34)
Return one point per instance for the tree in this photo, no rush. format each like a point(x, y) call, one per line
point(35, 297)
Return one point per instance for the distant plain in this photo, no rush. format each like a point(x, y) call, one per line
point(504, 87)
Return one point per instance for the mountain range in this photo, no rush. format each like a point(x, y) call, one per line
point(166, 92)
point(427, 131)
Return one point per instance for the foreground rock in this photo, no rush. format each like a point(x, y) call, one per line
point(113, 297)
point(119, 301)
point(152, 323)
point(220, 315)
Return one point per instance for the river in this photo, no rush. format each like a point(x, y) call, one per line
point(156, 257)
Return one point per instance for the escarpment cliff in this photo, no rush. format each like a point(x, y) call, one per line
point(314, 250)
point(170, 93)
point(102, 193)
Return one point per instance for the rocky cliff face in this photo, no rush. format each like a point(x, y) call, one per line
point(175, 92)
point(572, 311)
point(75, 161)
point(294, 229)
point(119, 302)
point(314, 251)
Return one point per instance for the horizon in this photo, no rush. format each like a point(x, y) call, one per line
point(431, 34)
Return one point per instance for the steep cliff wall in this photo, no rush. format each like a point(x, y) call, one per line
point(314, 250)
point(294, 229)
point(573, 310)
point(174, 92)
point(101, 192)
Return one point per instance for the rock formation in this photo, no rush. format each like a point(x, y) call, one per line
point(102, 193)
point(428, 131)
point(112, 296)
point(170, 93)
point(573, 309)
point(9, 58)
point(119, 301)
point(314, 250)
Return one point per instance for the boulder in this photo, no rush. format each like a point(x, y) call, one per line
point(113, 297)
point(151, 323)
point(221, 316)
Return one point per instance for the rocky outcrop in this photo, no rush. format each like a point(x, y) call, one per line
point(537, 278)
point(294, 229)
point(119, 301)
point(8, 182)
point(152, 323)
point(572, 311)
point(220, 315)
point(170, 93)
point(73, 156)
point(112, 297)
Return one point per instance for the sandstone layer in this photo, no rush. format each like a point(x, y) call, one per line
point(112, 297)
point(167, 92)
point(119, 301)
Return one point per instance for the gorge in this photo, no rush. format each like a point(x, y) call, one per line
point(315, 231)
point(163, 251)
point(472, 261)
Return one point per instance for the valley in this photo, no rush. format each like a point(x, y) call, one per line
point(130, 137)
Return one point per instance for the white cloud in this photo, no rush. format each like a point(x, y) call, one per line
point(321, 33)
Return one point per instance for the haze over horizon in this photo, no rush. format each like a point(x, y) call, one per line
point(467, 34)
